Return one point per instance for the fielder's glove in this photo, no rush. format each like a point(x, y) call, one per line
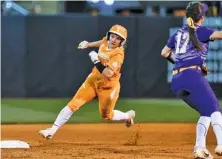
point(83, 45)
point(204, 70)
point(94, 57)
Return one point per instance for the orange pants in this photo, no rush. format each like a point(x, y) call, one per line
point(89, 90)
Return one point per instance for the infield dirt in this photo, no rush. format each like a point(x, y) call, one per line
point(106, 141)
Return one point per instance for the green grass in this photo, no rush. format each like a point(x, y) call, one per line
point(46, 110)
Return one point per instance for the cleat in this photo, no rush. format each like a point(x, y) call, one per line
point(202, 153)
point(130, 121)
point(218, 150)
point(47, 133)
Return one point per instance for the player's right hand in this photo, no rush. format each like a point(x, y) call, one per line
point(83, 45)
point(204, 70)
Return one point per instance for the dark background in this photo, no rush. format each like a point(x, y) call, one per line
point(40, 56)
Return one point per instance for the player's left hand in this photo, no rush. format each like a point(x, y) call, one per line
point(94, 57)
point(204, 70)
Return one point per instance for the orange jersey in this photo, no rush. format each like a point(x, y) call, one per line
point(113, 59)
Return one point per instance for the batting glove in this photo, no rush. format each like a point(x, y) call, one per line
point(83, 45)
point(94, 57)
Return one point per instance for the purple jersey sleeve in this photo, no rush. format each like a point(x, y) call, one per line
point(171, 41)
point(204, 33)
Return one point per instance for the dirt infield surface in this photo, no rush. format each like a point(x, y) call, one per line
point(106, 141)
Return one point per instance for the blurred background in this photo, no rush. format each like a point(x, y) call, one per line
point(42, 67)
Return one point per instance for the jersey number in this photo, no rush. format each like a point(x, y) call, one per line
point(182, 42)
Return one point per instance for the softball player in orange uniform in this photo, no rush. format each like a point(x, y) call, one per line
point(102, 82)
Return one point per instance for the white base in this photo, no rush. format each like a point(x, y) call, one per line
point(13, 144)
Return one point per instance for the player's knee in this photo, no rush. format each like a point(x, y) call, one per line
point(106, 115)
point(74, 105)
point(216, 118)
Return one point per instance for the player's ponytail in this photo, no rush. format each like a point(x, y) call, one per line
point(192, 35)
point(192, 12)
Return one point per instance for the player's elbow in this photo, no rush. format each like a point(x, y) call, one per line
point(216, 35)
point(165, 51)
point(162, 53)
point(108, 72)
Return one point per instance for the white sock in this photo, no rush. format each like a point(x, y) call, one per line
point(118, 115)
point(216, 121)
point(62, 118)
point(201, 131)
